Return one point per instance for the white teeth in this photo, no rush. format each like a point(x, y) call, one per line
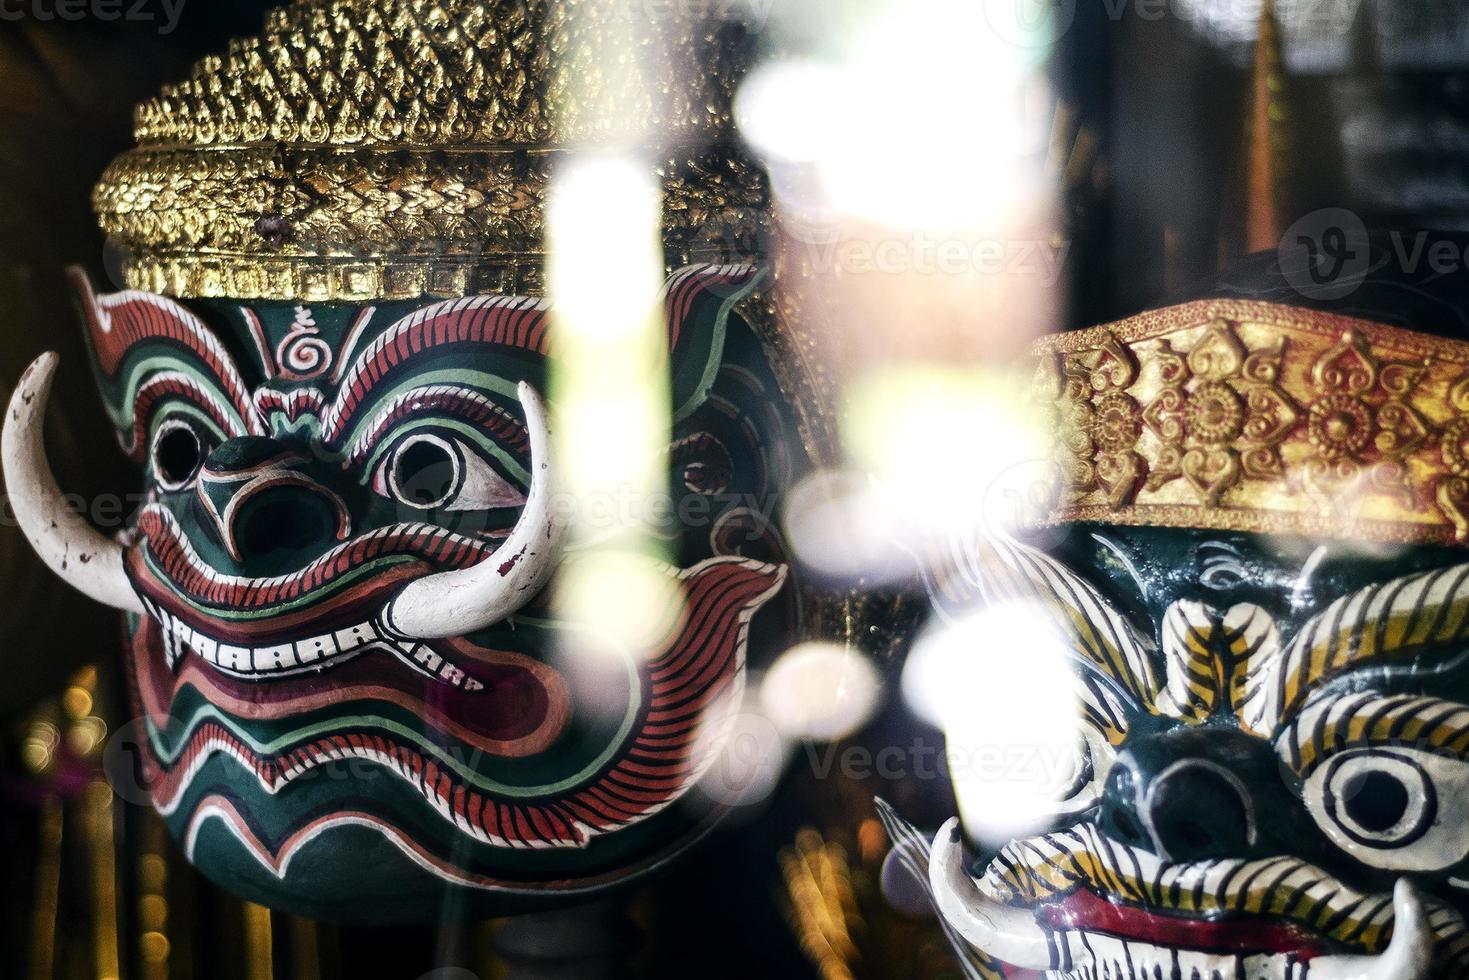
point(354, 636)
point(431, 663)
point(1095, 956)
point(312, 653)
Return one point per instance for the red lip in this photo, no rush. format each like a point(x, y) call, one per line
point(1087, 911)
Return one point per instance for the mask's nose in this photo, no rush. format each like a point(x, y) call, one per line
point(1200, 794)
point(261, 499)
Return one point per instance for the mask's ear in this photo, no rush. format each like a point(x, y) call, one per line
point(697, 302)
point(152, 356)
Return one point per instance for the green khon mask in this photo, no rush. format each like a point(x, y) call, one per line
point(331, 366)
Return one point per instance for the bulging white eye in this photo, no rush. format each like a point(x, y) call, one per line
point(1382, 806)
point(429, 472)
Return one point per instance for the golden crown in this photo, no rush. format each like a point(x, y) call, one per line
point(1252, 416)
point(379, 149)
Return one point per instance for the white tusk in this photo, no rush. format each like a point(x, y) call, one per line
point(469, 599)
point(1408, 957)
point(1002, 932)
point(88, 560)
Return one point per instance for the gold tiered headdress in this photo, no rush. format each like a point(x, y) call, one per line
point(380, 149)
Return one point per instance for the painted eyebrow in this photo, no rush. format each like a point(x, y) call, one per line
point(1365, 628)
point(515, 322)
point(464, 403)
point(1331, 724)
point(119, 323)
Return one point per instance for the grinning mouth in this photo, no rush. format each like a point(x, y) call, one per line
point(1076, 905)
point(310, 654)
point(1101, 938)
point(1070, 876)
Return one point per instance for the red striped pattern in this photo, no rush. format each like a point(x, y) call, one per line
point(186, 571)
point(295, 404)
point(161, 387)
point(686, 285)
point(512, 321)
point(702, 663)
point(121, 321)
point(463, 403)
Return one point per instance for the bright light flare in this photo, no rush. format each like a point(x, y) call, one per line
point(610, 393)
point(1000, 684)
point(738, 750)
point(620, 601)
point(606, 262)
point(937, 454)
point(958, 87)
point(820, 691)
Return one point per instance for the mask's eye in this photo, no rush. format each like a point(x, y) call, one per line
point(429, 472)
point(1382, 807)
point(425, 472)
point(178, 452)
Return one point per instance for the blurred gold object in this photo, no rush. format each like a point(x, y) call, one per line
point(97, 818)
point(1267, 138)
point(48, 892)
point(379, 149)
point(823, 906)
point(1249, 416)
point(259, 943)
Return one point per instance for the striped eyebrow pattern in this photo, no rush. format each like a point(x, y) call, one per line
point(200, 371)
point(1369, 718)
point(517, 322)
point(1118, 678)
point(1381, 623)
point(463, 403)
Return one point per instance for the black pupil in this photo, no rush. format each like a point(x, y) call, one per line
point(1375, 800)
point(177, 455)
point(425, 473)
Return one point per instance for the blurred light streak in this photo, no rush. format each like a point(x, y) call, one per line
point(259, 943)
point(609, 386)
point(46, 909)
point(1000, 685)
point(98, 817)
point(820, 691)
point(917, 239)
point(935, 453)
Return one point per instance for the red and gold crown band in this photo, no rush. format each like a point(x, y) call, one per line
point(1248, 416)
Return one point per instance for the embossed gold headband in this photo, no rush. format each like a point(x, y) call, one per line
point(385, 149)
point(1251, 416)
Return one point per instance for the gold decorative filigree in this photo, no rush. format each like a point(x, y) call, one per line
point(1219, 414)
point(375, 149)
point(1251, 416)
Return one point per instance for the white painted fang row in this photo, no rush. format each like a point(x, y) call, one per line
point(312, 653)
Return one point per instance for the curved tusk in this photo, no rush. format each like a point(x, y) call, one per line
point(1408, 957)
point(88, 560)
point(1010, 935)
point(469, 599)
